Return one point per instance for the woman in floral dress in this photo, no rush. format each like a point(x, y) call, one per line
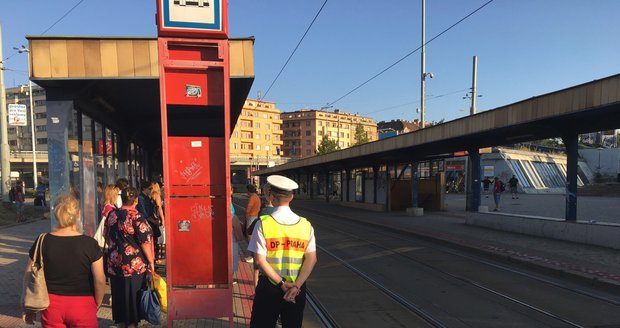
point(130, 256)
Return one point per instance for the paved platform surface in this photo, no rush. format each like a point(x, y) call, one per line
point(15, 241)
point(593, 264)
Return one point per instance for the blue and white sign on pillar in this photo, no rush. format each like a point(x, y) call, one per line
point(18, 115)
point(193, 18)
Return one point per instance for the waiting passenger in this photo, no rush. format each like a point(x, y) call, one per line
point(73, 271)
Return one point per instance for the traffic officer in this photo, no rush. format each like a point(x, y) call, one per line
point(285, 251)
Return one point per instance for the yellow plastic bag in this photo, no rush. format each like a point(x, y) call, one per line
point(159, 284)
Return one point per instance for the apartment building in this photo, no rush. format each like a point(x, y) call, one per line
point(256, 140)
point(304, 130)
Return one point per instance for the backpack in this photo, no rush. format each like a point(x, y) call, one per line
point(502, 186)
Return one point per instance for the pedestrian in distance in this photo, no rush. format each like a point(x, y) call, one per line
point(158, 211)
point(498, 188)
point(285, 250)
point(73, 271)
point(129, 257)
point(513, 183)
point(251, 214)
point(237, 235)
point(40, 198)
point(485, 186)
point(18, 197)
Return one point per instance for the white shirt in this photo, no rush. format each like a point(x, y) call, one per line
point(282, 215)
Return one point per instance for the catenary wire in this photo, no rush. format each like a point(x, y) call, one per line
point(415, 101)
point(409, 54)
point(294, 50)
point(63, 16)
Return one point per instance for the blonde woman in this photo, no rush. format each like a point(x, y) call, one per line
point(108, 202)
point(155, 195)
point(73, 271)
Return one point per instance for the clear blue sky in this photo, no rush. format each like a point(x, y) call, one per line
point(524, 47)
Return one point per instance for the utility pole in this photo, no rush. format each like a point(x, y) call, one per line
point(423, 64)
point(34, 152)
point(473, 86)
point(5, 164)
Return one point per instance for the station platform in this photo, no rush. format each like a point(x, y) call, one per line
point(15, 241)
point(593, 264)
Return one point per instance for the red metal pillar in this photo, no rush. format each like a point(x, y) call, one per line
point(195, 116)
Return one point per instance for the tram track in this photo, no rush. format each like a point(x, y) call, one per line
point(408, 238)
point(347, 233)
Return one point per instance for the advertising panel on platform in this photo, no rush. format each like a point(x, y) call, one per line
point(18, 115)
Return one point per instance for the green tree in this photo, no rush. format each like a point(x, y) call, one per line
point(361, 137)
point(327, 145)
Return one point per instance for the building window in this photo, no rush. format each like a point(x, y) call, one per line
point(12, 142)
point(257, 147)
point(41, 141)
point(308, 133)
point(276, 127)
point(307, 123)
point(307, 151)
point(38, 103)
point(285, 125)
point(235, 134)
point(320, 133)
point(267, 137)
point(235, 146)
point(307, 142)
point(267, 126)
point(11, 130)
point(258, 136)
point(257, 125)
point(40, 115)
point(41, 128)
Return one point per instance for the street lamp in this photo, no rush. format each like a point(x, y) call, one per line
point(21, 50)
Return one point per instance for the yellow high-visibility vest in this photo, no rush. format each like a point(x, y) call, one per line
point(286, 245)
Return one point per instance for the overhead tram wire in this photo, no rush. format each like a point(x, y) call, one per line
point(63, 16)
point(409, 54)
point(294, 50)
point(417, 100)
point(49, 28)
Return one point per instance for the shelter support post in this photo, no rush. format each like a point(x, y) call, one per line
point(414, 184)
point(341, 186)
point(388, 188)
point(348, 179)
point(375, 173)
point(473, 181)
point(571, 144)
point(326, 177)
point(310, 178)
point(59, 114)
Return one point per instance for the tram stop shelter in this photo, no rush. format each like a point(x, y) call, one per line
point(103, 110)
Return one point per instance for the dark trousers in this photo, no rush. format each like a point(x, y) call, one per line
point(269, 304)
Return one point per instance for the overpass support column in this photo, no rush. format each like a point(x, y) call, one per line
point(375, 174)
point(473, 181)
point(572, 156)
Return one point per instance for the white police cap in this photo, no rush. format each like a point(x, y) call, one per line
point(282, 183)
